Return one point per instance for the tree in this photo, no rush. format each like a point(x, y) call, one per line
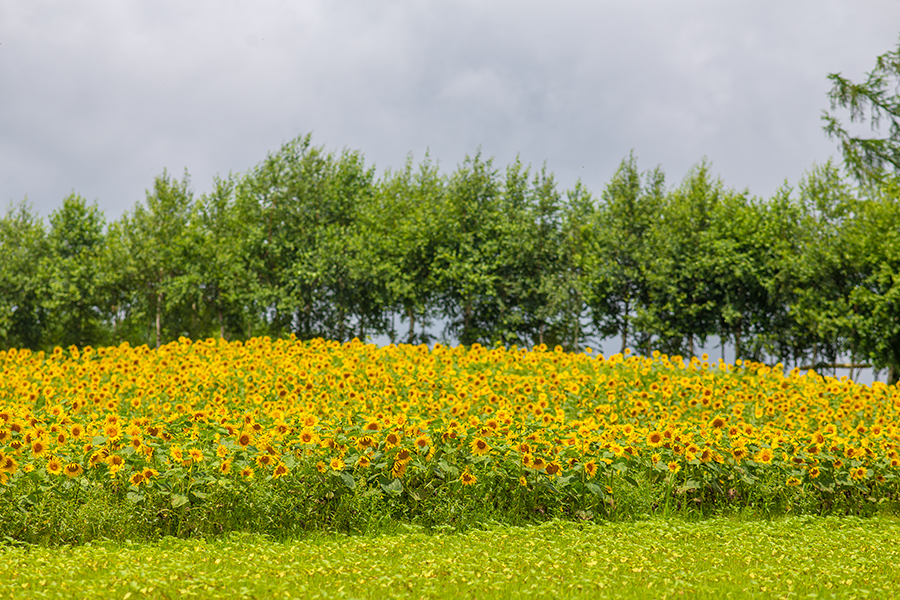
point(618, 271)
point(23, 246)
point(877, 101)
point(159, 239)
point(467, 261)
point(875, 300)
point(683, 293)
point(225, 282)
point(71, 270)
point(827, 269)
point(405, 225)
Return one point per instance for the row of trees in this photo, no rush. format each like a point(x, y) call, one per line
point(312, 243)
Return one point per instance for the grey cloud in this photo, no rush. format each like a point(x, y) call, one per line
point(100, 97)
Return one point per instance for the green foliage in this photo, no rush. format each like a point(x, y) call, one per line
point(310, 243)
point(869, 159)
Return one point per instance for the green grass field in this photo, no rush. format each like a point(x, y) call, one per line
point(794, 557)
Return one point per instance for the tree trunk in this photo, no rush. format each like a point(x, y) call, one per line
point(625, 328)
point(221, 324)
point(158, 318)
point(411, 336)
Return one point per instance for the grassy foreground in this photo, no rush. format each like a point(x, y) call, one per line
point(802, 557)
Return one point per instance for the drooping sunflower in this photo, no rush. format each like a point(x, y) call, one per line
point(399, 469)
point(73, 470)
point(553, 469)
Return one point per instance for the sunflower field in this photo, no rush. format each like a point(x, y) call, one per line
point(283, 436)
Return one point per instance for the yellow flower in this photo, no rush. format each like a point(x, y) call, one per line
point(468, 479)
point(73, 470)
point(479, 447)
point(54, 466)
point(764, 456)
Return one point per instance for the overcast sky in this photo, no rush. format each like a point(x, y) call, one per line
point(99, 97)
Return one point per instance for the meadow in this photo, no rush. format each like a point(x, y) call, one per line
point(792, 557)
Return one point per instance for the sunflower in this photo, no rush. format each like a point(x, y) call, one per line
point(391, 440)
point(399, 469)
point(764, 456)
point(337, 464)
point(479, 447)
point(54, 467)
point(247, 473)
point(196, 454)
point(365, 442)
point(225, 467)
point(655, 439)
point(363, 461)
point(38, 448)
point(553, 469)
point(136, 479)
point(280, 471)
point(244, 439)
point(73, 470)
point(792, 481)
point(468, 479)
